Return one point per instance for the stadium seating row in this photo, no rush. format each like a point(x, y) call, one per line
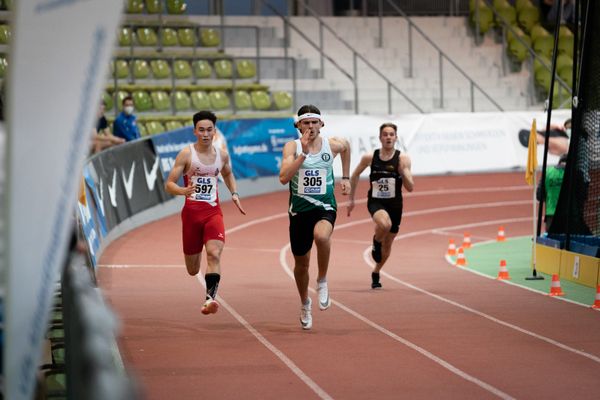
point(155, 6)
point(159, 68)
point(184, 36)
point(184, 100)
point(524, 12)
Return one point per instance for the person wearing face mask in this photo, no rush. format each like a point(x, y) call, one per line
point(125, 125)
point(390, 170)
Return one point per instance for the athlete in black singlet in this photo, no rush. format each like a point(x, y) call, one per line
point(390, 170)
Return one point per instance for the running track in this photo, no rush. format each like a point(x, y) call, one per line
point(434, 331)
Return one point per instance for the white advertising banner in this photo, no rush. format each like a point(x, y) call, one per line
point(447, 142)
point(58, 62)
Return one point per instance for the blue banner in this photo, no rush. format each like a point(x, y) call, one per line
point(255, 145)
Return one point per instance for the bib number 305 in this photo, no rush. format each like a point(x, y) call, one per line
point(312, 181)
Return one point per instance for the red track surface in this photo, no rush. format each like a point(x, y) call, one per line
point(433, 331)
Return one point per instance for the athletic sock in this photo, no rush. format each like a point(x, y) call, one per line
point(212, 284)
point(375, 277)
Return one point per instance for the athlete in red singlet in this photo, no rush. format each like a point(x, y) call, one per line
point(202, 220)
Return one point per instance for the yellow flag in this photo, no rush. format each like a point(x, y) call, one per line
point(531, 155)
point(82, 196)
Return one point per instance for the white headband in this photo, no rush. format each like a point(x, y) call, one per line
point(310, 115)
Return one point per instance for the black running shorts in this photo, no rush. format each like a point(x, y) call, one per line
point(302, 226)
point(395, 212)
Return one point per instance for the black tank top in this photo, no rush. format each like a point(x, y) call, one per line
point(386, 182)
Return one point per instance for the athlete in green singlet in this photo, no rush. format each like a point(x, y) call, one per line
point(307, 165)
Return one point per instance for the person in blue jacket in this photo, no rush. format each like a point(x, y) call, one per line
point(125, 125)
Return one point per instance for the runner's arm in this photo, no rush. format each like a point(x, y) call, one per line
point(171, 186)
point(365, 161)
point(407, 178)
point(229, 180)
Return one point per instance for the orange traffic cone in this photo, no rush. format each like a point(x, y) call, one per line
point(503, 271)
point(597, 301)
point(555, 289)
point(500, 237)
point(451, 248)
point(460, 258)
point(466, 241)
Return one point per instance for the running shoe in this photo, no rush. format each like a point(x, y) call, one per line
point(324, 300)
point(376, 251)
point(210, 306)
point(375, 281)
point(306, 315)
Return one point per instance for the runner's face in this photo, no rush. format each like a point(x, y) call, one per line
point(388, 138)
point(312, 124)
point(205, 130)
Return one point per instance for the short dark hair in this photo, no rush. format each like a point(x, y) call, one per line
point(200, 115)
point(128, 97)
point(308, 108)
point(388, 125)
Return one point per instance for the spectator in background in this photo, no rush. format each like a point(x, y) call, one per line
point(102, 137)
point(567, 16)
point(125, 125)
point(553, 183)
point(558, 143)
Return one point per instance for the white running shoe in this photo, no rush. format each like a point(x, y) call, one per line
point(306, 315)
point(210, 306)
point(324, 300)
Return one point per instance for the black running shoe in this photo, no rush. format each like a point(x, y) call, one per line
point(375, 281)
point(524, 137)
point(376, 250)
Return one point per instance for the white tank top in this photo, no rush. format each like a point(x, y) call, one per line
point(204, 178)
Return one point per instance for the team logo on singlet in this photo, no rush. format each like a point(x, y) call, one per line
point(325, 157)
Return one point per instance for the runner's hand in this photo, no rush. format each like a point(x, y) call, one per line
point(236, 200)
point(345, 186)
point(350, 207)
point(190, 189)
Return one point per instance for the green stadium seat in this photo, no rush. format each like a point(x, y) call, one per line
point(219, 100)
point(241, 99)
point(146, 37)
point(261, 100)
point(519, 4)
point(560, 96)
point(282, 100)
point(121, 94)
point(4, 34)
point(566, 74)
point(538, 31)
point(486, 17)
point(200, 100)
point(141, 69)
point(160, 69)
point(517, 50)
point(169, 37)
point(209, 37)
point(126, 37)
point(510, 36)
point(108, 100)
point(506, 11)
point(154, 6)
point(142, 100)
point(564, 31)
point(173, 125)
point(142, 128)
point(154, 127)
point(543, 77)
point(528, 17)
point(246, 69)
point(160, 100)
point(182, 100)
point(3, 66)
point(182, 69)
point(564, 61)
point(186, 37)
point(202, 69)
point(120, 69)
point(544, 45)
point(223, 69)
point(134, 7)
point(176, 6)
point(566, 45)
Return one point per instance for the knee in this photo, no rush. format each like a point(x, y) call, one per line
point(213, 257)
point(385, 225)
point(321, 240)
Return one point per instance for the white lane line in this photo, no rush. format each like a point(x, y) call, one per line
point(420, 350)
point(469, 309)
point(272, 348)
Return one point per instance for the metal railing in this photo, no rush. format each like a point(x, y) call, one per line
point(355, 57)
point(441, 57)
